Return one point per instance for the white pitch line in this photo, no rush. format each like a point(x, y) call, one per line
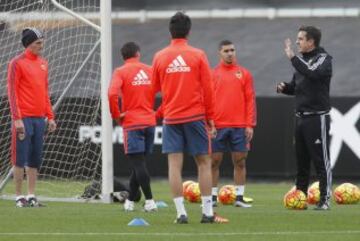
point(187, 234)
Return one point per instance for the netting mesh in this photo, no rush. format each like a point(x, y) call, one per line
point(68, 164)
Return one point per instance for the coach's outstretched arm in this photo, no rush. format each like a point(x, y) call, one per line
point(319, 68)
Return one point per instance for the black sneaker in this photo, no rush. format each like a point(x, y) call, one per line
point(322, 206)
point(21, 203)
point(240, 202)
point(207, 219)
point(181, 220)
point(33, 202)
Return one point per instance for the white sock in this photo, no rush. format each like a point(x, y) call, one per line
point(214, 191)
point(207, 207)
point(240, 190)
point(180, 208)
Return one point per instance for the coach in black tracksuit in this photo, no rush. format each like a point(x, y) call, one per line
point(310, 85)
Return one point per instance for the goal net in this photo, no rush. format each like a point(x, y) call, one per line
point(73, 52)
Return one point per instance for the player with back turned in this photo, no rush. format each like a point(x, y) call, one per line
point(182, 74)
point(132, 82)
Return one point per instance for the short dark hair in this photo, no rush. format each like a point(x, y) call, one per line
point(312, 33)
point(180, 25)
point(224, 43)
point(129, 50)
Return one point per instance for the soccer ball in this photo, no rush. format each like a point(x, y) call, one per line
point(192, 193)
point(185, 185)
point(347, 193)
point(313, 194)
point(295, 199)
point(227, 195)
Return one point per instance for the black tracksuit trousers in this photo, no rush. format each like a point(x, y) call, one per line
point(312, 144)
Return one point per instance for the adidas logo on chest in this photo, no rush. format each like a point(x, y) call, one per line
point(141, 78)
point(178, 65)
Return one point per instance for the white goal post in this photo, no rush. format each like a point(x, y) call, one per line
point(106, 126)
point(74, 56)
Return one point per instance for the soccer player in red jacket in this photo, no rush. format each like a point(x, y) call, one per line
point(132, 82)
point(30, 106)
point(182, 74)
point(235, 118)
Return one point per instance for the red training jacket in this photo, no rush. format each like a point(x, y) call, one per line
point(132, 82)
point(235, 104)
point(28, 87)
point(183, 76)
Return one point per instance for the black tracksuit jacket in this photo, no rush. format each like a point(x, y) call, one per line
point(311, 81)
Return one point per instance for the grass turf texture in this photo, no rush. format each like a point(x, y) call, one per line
point(266, 220)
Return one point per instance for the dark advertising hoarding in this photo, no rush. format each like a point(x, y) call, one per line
point(271, 155)
point(272, 152)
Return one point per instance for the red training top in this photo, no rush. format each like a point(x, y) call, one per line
point(132, 82)
point(183, 75)
point(235, 104)
point(28, 87)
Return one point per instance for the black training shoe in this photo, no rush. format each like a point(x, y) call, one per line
point(181, 220)
point(322, 206)
point(207, 219)
point(21, 203)
point(33, 202)
point(241, 202)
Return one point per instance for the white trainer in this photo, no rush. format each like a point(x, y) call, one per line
point(242, 204)
point(129, 205)
point(150, 206)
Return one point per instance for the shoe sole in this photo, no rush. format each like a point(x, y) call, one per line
point(248, 199)
point(243, 205)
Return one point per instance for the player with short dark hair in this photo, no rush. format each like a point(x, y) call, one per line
point(310, 85)
point(182, 74)
point(179, 25)
point(30, 106)
point(132, 82)
point(235, 118)
point(129, 50)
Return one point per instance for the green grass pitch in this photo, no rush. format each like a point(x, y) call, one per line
point(266, 220)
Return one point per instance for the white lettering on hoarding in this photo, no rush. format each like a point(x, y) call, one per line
point(93, 133)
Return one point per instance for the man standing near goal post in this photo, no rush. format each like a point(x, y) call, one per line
point(235, 118)
point(30, 106)
point(183, 75)
point(311, 85)
point(132, 82)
